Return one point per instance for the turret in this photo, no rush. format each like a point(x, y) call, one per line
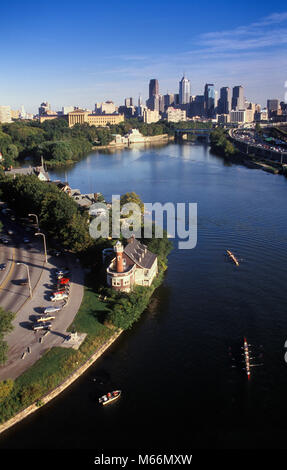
point(118, 248)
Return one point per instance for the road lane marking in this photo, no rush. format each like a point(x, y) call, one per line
point(8, 277)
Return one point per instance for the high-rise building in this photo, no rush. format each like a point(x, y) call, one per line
point(209, 100)
point(153, 87)
point(224, 102)
point(238, 101)
point(168, 100)
point(128, 102)
point(197, 106)
point(272, 107)
point(184, 91)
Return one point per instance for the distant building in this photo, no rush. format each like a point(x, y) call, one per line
point(44, 108)
point(67, 109)
point(153, 87)
point(150, 116)
point(79, 116)
point(197, 106)
point(225, 100)
point(238, 116)
point(209, 100)
point(261, 115)
point(108, 107)
point(273, 107)
point(49, 116)
point(184, 91)
point(168, 100)
point(132, 265)
point(128, 102)
point(175, 114)
point(238, 101)
point(5, 114)
point(223, 118)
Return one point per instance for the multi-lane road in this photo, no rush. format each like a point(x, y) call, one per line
point(25, 346)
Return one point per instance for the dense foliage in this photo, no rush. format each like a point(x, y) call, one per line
point(220, 143)
point(5, 327)
point(58, 144)
point(59, 215)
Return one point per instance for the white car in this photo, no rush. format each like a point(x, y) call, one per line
point(52, 309)
point(53, 298)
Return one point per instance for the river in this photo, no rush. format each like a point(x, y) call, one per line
point(174, 366)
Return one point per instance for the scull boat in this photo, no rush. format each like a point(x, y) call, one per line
point(231, 255)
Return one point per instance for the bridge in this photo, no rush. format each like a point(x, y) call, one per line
point(181, 134)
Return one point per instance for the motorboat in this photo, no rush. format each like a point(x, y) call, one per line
point(110, 397)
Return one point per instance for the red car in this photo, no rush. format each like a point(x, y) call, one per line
point(64, 280)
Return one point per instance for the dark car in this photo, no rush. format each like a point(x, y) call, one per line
point(2, 266)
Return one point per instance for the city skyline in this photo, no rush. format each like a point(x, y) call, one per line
point(68, 56)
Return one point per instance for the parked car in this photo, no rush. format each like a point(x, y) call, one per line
point(26, 240)
point(45, 318)
point(62, 271)
point(2, 266)
point(4, 240)
point(62, 296)
point(49, 310)
point(42, 326)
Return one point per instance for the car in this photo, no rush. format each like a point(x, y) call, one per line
point(63, 271)
point(63, 296)
point(26, 240)
point(2, 266)
point(4, 240)
point(49, 310)
point(10, 232)
point(64, 280)
point(42, 326)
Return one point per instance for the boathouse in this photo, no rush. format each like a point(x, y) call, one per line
point(132, 265)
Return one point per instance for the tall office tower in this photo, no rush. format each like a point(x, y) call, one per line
point(153, 87)
point(224, 102)
point(184, 91)
point(197, 106)
point(168, 100)
point(238, 101)
point(128, 102)
point(176, 98)
point(209, 100)
point(272, 107)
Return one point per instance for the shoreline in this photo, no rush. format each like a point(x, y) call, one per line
point(147, 140)
point(60, 388)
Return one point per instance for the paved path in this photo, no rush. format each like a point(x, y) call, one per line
point(27, 346)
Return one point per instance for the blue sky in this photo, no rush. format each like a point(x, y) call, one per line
point(80, 53)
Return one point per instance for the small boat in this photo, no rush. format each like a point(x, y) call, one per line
point(231, 255)
point(110, 397)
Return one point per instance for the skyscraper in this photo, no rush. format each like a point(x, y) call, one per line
point(209, 100)
point(153, 102)
point(184, 91)
point(153, 87)
point(224, 102)
point(238, 101)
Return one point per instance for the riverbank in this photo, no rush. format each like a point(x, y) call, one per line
point(45, 399)
point(162, 138)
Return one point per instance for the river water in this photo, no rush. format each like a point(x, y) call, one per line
point(175, 368)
